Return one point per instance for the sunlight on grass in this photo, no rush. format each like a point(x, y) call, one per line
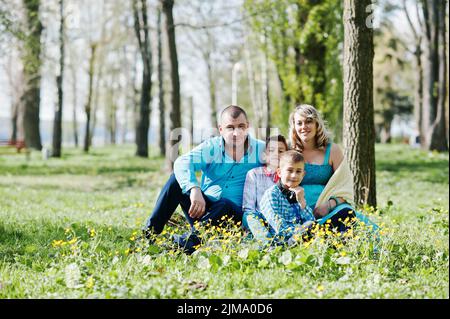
point(70, 228)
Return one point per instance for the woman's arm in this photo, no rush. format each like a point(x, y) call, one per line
point(336, 156)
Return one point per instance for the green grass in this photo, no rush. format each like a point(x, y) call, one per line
point(66, 226)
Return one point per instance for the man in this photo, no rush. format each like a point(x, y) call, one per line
point(224, 162)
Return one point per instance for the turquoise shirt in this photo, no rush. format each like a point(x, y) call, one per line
point(222, 177)
point(316, 177)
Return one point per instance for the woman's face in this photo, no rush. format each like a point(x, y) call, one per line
point(273, 151)
point(305, 127)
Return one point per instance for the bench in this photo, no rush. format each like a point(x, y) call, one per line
point(17, 145)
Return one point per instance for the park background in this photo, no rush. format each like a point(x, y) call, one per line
point(93, 96)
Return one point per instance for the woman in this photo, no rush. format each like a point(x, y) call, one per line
point(309, 135)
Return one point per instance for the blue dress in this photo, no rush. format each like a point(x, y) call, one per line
point(316, 177)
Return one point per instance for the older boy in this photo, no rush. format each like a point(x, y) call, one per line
point(224, 162)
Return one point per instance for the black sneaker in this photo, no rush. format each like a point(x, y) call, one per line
point(187, 241)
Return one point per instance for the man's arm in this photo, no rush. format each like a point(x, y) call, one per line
point(186, 165)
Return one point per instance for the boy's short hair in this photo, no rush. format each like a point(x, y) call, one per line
point(292, 156)
point(234, 111)
point(277, 138)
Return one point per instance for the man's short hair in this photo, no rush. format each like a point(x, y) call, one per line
point(292, 156)
point(277, 138)
point(234, 111)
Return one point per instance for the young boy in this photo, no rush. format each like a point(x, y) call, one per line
point(283, 205)
point(257, 181)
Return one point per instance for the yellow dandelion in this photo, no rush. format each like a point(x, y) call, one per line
point(320, 288)
point(90, 282)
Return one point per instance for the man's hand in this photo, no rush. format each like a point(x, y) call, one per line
point(198, 203)
point(300, 195)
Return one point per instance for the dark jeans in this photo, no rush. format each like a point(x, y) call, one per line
point(337, 220)
point(171, 196)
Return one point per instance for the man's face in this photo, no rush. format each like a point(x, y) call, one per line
point(234, 131)
point(291, 174)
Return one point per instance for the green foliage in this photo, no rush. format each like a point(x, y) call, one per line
point(69, 228)
point(305, 43)
point(393, 87)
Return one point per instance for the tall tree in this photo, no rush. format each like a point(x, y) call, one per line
point(73, 72)
point(88, 105)
point(418, 89)
point(431, 68)
point(32, 64)
point(162, 107)
point(175, 115)
point(141, 28)
point(304, 40)
point(437, 132)
point(359, 131)
point(57, 124)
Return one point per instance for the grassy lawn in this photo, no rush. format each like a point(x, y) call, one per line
point(66, 226)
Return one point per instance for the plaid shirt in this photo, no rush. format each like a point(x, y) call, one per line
point(283, 217)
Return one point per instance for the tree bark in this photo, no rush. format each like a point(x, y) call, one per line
point(162, 107)
point(438, 134)
point(419, 70)
point(74, 109)
point(191, 118)
point(175, 116)
point(32, 64)
point(141, 28)
point(359, 129)
point(430, 69)
point(57, 124)
point(265, 86)
point(87, 108)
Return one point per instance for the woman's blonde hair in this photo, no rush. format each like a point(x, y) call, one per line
point(308, 111)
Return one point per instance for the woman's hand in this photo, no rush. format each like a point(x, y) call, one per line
point(321, 211)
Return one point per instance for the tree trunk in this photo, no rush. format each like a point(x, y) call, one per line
point(175, 116)
point(32, 64)
point(162, 107)
point(265, 86)
point(14, 120)
point(191, 118)
point(252, 87)
point(212, 90)
point(87, 108)
point(57, 124)
point(430, 69)
point(359, 129)
point(74, 110)
point(96, 96)
point(141, 28)
point(438, 134)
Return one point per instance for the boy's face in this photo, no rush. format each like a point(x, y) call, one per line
point(291, 174)
point(273, 151)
